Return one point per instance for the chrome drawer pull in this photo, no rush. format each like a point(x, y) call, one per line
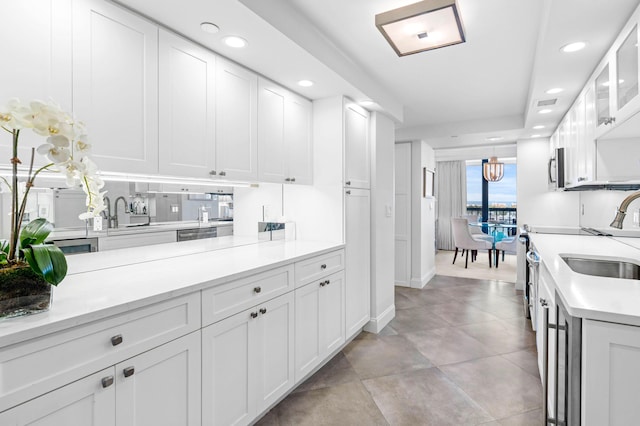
point(107, 381)
point(263, 311)
point(257, 289)
point(128, 371)
point(323, 266)
point(116, 340)
point(254, 315)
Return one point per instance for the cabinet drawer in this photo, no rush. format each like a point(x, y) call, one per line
point(318, 267)
point(228, 299)
point(41, 365)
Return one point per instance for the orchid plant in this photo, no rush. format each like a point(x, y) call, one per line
point(66, 149)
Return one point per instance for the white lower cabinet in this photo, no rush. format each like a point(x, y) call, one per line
point(358, 260)
point(159, 387)
point(247, 362)
point(610, 373)
point(319, 322)
point(82, 403)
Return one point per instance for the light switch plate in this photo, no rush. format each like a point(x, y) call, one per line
point(389, 210)
point(97, 223)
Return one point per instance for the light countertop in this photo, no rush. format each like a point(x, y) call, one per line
point(586, 296)
point(99, 285)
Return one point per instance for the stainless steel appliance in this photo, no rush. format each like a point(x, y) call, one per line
point(567, 367)
point(197, 233)
point(77, 245)
point(531, 289)
point(523, 239)
point(557, 170)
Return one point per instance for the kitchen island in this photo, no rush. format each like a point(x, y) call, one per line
point(593, 347)
point(172, 329)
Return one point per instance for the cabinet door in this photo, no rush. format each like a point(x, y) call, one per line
point(229, 375)
point(626, 71)
point(308, 351)
point(187, 107)
point(161, 386)
point(356, 146)
point(85, 402)
point(357, 239)
point(236, 122)
point(36, 64)
point(611, 373)
point(274, 335)
point(590, 133)
point(332, 314)
point(115, 85)
point(297, 116)
point(272, 153)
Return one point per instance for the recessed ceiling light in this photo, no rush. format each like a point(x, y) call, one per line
point(545, 111)
point(495, 138)
point(235, 41)
point(538, 127)
point(305, 83)
point(536, 136)
point(209, 27)
point(554, 91)
point(573, 47)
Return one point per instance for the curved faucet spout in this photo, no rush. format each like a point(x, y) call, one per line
point(622, 210)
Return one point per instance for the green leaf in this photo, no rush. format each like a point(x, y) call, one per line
point(4, 246)
point(48, 261)
point(35, 232)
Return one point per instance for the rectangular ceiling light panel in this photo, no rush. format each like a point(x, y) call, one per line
point(426, 25)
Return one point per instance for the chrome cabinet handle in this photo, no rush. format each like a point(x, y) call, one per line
point(287, 180)
point(322, 284)
point(223, 173)
point(323, 266)
point(328, 282)
point(263, 311)
point(254, 315)
point(212, 172)
point(116, 340)
point(107, 381)
point(545, 362)
point(348, 182)
point(293, 179)
point(257, 289)
point(348, 192)
point(128, 371)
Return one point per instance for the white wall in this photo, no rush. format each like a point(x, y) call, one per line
point(382, 131)
point(423, 264)
point(249, 204)
point(402, 212)
point(536, 204)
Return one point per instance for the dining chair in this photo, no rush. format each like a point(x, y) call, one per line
point(463, 239)
point(476, 231)
point(507, 245)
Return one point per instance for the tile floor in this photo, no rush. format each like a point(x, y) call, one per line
point(459, 352)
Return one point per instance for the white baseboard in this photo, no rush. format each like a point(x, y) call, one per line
point(375, 325)
point(421, 282)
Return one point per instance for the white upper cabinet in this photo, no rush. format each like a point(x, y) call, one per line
point(115, 85)
point(356, 147)
point(36, 64)
point(187, 107)
point(236, 122)
point(284, 135)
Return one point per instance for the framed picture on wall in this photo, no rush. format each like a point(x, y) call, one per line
point(428, 188)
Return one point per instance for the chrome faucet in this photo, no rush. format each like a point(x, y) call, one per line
point(107, 214)
point(115, 210)
point(622, 210)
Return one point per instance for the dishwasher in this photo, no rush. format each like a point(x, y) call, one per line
point(197, 233)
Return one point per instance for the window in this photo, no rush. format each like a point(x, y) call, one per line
point(502, 194)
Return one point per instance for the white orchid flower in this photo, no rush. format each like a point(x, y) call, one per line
point(56, 149)
point(81, 147)
point(14, 115)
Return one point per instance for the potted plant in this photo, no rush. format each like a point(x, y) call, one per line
point(28, 265)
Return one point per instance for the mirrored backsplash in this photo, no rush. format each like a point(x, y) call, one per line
point(128, 203)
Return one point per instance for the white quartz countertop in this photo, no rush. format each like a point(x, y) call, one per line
point(586, 296)
point(99, 285)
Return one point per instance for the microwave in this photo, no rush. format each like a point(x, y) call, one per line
point(557, 170)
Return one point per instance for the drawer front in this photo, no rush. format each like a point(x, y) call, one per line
point(320, 266)
point(41, 365)
point(228, 299)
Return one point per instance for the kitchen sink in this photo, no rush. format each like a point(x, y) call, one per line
point(608, 268)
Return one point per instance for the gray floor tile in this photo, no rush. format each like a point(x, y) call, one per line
point(424, 397)
point(497, 385)
point(448, 345)
point(499, 336)
point(461, 313)
point(375, 356)
point(526, 359)
point(414, 319)
point(530, 418)
point(404, 300)
point(499, 306)
point(336, 372)
point(347, 404)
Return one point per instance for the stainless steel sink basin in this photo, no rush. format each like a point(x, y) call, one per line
point(608, 268)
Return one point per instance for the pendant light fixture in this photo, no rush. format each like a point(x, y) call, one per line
point(493, 171)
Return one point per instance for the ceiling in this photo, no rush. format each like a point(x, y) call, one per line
point(451, 97)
